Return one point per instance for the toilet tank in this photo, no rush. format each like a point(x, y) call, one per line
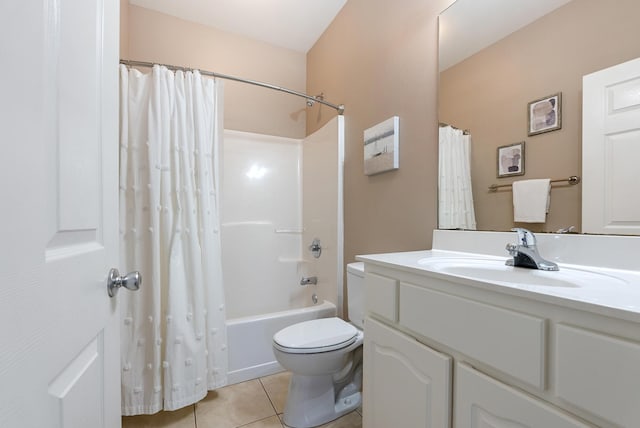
point(355, 294)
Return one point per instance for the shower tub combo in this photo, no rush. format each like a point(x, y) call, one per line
point(266, 228)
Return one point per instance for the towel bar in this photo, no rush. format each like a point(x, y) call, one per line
point(574, 179)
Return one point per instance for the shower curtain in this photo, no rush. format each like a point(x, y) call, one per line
point(173, 335)
point(455, 198)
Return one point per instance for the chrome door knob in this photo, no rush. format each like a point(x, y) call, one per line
point(130, 281)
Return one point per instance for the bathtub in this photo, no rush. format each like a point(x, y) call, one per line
point(249, 340)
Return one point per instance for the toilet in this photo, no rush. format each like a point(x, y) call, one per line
point(324, 357)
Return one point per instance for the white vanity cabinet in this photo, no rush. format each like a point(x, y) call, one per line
point(446, 352)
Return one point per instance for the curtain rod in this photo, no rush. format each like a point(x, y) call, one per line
point(310, 99)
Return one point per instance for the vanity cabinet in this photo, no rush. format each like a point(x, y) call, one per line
point(444, 352)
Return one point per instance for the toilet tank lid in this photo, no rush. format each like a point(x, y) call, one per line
point(356, 268)
point(318, 333)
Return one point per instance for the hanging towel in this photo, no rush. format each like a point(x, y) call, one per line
point(531, 200)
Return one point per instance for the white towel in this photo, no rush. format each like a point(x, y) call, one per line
point(531, 200)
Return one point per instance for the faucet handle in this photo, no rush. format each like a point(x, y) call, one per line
point(526, 238)
point(512, 249)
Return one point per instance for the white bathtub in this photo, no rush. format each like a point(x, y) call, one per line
point(249, 340)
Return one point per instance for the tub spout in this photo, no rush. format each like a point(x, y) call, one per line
point(309, 280)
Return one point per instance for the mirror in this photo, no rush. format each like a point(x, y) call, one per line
point(489, 75)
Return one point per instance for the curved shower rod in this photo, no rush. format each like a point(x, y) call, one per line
point(310, 99)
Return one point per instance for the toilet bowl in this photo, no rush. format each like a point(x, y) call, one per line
point(324, 357)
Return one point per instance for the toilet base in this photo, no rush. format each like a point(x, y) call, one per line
point(312, 401)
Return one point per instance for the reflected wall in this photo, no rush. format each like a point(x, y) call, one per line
point(488, 94)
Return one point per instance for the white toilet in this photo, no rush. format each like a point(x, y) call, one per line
point(325, 358)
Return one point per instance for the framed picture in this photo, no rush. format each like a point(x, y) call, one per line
point(511, 160)
point(381, 147)
point(545, 114)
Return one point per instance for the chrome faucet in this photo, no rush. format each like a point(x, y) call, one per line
point(525, 252)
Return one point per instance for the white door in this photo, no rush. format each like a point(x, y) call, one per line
point(59, 342)
point(611, 150)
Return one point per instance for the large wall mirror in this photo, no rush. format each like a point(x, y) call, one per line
point(497, 57)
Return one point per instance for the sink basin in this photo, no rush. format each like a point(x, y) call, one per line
point(495, 271)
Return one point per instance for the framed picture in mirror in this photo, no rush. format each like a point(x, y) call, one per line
point(545, 114)
point(511, 160)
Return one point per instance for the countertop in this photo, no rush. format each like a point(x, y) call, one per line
point(609, 292)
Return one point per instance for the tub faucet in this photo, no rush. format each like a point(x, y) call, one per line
point(525, 252)
point(309, 280)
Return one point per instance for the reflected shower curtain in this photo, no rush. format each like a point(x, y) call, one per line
point(455, 198)
point(173, 334)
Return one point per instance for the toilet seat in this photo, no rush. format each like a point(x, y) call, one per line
point(315, 336)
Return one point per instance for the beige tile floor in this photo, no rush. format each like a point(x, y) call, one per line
point(256, 403)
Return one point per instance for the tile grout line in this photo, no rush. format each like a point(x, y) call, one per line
point(273, 406)
point(263, 419)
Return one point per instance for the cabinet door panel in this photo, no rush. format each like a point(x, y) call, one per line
point(483, 402)
point(406, 383)
point(592, 366)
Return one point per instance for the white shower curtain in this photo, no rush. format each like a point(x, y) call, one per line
point(173, 334)
point(455, 198)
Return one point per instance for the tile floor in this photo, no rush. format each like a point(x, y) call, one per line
point(256, 403)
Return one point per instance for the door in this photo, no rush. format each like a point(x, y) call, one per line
point(406, 384)
point(59, 342)
point(611, 150)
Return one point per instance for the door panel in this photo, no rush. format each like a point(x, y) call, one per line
point(611, 149)
point(77, 391)
point(59, 365)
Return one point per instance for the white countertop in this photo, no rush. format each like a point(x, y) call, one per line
point(614, 292)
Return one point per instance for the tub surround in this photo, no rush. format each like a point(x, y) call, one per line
point(560, 354)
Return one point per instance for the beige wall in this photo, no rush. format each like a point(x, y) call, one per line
point(379, 58)
point(156, 37)
point(124, 29)
point(488, 94)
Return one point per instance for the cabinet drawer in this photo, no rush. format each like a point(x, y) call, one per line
point(481, 401)
point(592, 366)
point(381, 296)
point(508, 341)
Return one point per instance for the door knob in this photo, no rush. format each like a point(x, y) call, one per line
point(130, 281)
